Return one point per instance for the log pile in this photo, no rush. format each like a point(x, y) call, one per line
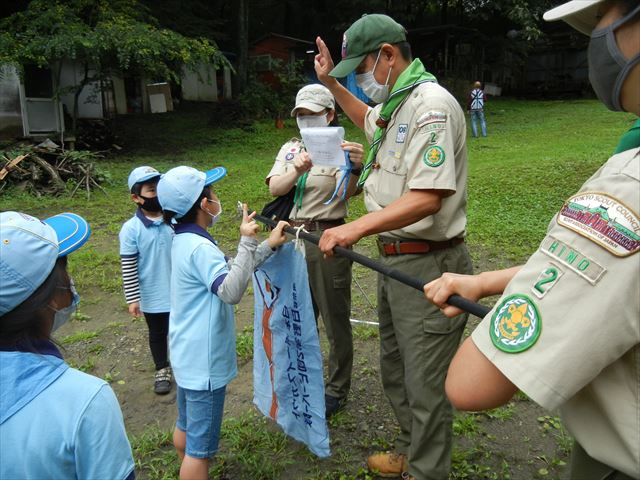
point(47, 169)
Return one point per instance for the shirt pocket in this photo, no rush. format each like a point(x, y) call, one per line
point(392, 179)
point(321, 181)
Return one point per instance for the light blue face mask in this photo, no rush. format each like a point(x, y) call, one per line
point(63, 315)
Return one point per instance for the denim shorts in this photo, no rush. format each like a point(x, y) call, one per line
point(200, 416)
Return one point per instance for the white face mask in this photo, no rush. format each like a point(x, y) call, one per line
point(312, 121)
point(216, 217)
point(370, 86)
point(63, 315)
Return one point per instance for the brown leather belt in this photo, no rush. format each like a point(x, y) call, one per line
point(403, 247)
point(314, 225)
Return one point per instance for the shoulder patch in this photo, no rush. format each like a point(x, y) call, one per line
point(604, 220)
point(516, 324)
point(431, 117)
point(434, 156)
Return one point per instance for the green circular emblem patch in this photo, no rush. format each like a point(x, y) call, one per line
point(516, 324)
point(434, 156)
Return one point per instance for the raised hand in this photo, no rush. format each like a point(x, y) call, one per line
point(248, 227)
point(323, 63)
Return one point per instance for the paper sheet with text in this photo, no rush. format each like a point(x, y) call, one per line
point(324, 145)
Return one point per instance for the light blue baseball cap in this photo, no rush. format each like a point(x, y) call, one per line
point(180, 187)
point(29, 249)
point(141, 174)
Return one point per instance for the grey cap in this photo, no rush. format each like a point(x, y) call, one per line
point(314, 97)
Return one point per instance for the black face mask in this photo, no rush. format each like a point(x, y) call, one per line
point(151, 204)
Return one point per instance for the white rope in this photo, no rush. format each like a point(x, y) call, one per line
point(299, 242)
point(353, 320)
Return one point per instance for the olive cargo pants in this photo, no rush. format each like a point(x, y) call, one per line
point(330, 281)
point(417, 343)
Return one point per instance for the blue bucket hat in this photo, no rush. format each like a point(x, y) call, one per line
point(180, 187)
point(141, 174)
point(29, 249)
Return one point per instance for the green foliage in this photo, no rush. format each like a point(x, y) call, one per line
point(154, 454)
point(108, 36)
point(261, 452)
point(523, 14)
point(105, 37)
point(244, 344)
point(261, 100)
point(79, 337)
point(466, 424)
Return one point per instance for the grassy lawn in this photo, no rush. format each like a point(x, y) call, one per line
point(536, 155)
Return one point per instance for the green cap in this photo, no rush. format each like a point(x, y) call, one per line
point(366, 35)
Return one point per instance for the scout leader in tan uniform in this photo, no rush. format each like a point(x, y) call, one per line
point(567, 328)
point(414, 183)
point(330, 279)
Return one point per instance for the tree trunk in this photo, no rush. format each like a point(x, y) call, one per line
point(242, 40)
point(444, 12)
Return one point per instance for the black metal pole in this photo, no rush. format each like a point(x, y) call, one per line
point(456, 300)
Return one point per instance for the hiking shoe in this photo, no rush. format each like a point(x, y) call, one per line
point(332, 405)
point(388, 464)
point(162, 383)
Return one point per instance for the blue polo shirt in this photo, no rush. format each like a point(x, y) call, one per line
point(150, 241)
point(202, 336)
point(57, 422)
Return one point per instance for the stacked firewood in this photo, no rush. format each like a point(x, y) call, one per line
point(47, 169)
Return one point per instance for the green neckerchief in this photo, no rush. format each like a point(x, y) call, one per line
point(302, 181)
point(414, 75)
point(631, 139)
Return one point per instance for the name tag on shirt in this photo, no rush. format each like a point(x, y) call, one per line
point(402, 132)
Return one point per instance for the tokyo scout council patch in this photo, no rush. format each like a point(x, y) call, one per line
point(604, 220)
point(516, 324)
point(434, 156)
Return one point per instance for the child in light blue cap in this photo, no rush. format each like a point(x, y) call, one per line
point(55, 421)
point(204, 286)
point(145, 256)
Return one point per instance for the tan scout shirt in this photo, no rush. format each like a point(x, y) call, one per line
point(321, 183)
point(424, 148)
point(583, 291)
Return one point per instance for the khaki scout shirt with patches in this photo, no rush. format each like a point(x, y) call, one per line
point(579, 295)
point(424, 147)
point(321, 183)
